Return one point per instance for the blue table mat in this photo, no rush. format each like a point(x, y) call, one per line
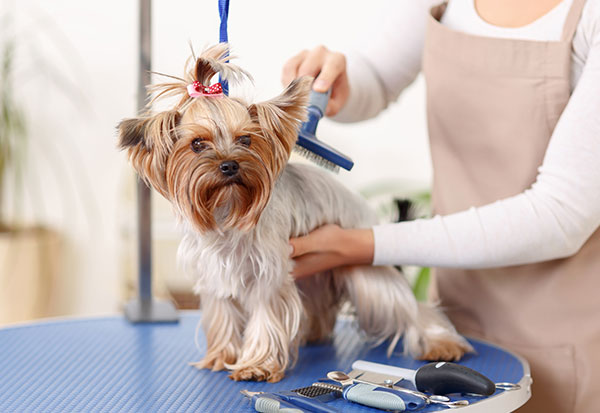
point(110, 365)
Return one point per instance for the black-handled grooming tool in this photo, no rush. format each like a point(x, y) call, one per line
point(436, 378)
point(427, 399)
point(447, 378)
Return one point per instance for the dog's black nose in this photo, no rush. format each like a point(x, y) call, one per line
point(229, 168)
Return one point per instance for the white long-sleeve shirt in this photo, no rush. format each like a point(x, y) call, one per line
point(560, 211)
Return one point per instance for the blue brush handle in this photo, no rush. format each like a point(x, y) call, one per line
point(382, 397)
point(316, 110)
point(270, 403)
point(319, 100)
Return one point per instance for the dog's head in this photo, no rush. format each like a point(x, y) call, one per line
point(214, 157)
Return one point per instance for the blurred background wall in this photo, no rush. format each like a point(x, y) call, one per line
point(75, 77)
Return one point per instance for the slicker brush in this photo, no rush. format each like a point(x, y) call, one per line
point(312, 148)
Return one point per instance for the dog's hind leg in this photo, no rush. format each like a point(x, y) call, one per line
point(222, 322)
point(433, 337)
point(387, 309)
point(321, 299)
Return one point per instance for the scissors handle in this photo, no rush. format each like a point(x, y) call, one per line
point(268, 403)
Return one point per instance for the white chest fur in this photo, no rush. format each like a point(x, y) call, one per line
point(303, 198)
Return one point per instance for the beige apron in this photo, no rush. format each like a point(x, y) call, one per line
point(492, 106)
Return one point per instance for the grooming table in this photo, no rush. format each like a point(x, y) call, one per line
point(109, 365)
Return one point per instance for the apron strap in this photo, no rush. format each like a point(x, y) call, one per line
point(572, 20)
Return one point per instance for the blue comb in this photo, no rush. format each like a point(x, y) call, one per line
point(313, 149)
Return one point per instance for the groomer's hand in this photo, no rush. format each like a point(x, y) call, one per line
point(329, 247)
point(329, 70)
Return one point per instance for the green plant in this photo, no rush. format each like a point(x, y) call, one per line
point(13, 131)
point(421, 284)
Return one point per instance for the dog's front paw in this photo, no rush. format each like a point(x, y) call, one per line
point(215, 362)
point(257, 373)
point(446, 350)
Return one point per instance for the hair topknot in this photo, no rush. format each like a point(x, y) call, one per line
point(212, 60)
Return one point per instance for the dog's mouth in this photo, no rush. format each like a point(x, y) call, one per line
point(223, 185)
point(235, 180)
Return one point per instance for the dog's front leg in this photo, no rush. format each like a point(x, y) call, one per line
point(271, 336)
point(222, 322)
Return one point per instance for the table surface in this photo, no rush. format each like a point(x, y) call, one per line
point(109, 365)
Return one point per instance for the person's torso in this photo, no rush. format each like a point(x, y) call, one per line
point(492, 106)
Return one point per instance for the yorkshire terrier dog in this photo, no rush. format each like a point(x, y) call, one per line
point(223, 164)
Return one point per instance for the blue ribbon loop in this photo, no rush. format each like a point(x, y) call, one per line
point(224, 14)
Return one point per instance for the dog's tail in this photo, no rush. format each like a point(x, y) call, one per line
point(386, 309)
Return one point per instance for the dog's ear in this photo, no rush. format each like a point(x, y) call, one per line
point(152, 132)
point(132, 132)
point(280, 118)
point(148, 141)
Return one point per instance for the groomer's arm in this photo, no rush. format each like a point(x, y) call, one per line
point(553, 219)
point(385, 59)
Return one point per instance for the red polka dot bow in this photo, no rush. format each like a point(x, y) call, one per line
point(196, 89)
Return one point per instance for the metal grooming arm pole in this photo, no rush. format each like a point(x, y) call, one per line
point(146, 308)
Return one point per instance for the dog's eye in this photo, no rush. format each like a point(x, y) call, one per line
point(198, 145)
point(244, 140)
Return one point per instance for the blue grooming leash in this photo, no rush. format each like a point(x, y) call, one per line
point(223, 38)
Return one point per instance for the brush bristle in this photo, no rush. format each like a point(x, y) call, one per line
point(313, 391)
point(319, 160)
